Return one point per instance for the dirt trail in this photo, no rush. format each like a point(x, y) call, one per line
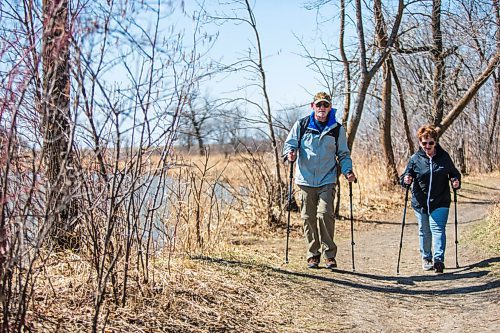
point(374, 298)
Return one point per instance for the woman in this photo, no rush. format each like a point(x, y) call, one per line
point(431, 168)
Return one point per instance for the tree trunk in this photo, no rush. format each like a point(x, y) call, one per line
point(404, 113)
point(385, 116)
point(356, 116)
point(347, 69)
point(496, 95)
point(493, 121)
point(385, 125)
point(438, 58)
point(56, 124)
point(198, 136)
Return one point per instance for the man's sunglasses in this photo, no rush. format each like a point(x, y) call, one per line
point(323, 104)
point(427, 143)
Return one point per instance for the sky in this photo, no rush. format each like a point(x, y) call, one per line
point(280, 23)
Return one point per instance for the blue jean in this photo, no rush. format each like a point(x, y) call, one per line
point(432, 230)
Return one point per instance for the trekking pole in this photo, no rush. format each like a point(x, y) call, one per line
point(289, 208)
point(402, 227)
point(456, 227)
point(352, 224)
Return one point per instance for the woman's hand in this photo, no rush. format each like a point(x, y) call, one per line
point(455, 183)
point(408, 179)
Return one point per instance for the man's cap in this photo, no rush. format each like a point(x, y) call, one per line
point(322, 97)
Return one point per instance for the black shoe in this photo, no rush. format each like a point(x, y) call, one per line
point(331, 263)
point(438, 267)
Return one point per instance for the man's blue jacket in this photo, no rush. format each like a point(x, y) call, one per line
point(318, 152)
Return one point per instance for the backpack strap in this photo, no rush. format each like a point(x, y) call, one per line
point(303, 122)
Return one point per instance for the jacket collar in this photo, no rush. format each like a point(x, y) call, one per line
point(331, 120)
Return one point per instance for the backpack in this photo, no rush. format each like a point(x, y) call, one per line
point(303, 122)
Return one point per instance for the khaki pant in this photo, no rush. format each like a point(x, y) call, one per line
point(319, 220)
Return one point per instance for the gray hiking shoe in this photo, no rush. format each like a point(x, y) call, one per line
point(313, 262)
point(427, 264)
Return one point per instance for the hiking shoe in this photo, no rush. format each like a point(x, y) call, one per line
point(313, 262)
point(438, 267)
point(331, 263)
point(427, 264)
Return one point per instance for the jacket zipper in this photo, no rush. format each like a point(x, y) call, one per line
point(430, 188)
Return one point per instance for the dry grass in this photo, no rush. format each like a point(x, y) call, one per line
point(201, 294)
point(372, 195)
point(238, 293)
point(486, 236)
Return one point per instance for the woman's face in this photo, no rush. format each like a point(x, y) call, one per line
point(428, 144)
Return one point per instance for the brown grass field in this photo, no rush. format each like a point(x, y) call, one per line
point(187, 292)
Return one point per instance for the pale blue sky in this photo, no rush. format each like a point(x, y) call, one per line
point(279, 23)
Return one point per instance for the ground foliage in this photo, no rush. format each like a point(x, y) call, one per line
point(240, 286)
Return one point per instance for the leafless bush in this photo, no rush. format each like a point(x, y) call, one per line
point(257, 192)
point(129, 82)
point(201, 207)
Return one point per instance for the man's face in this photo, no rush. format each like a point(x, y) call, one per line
point(321, 110)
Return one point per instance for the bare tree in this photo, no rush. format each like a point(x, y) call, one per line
point(195, 121)
point(466, 98)
point(439, 55)
point(254, 63)
point(112, 132)
point(366, 73)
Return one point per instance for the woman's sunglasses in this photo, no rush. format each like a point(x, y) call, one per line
point(323, 104)
point(427, 143)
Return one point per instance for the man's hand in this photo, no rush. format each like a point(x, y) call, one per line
point(455, 183)
point(292, 155)
point(351, 177)
point(408, 179)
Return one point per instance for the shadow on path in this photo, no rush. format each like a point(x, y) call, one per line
point(410, 222)
point(461, 273)
point(482, 186)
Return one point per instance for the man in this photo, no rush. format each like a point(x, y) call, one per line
point(321, 143)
